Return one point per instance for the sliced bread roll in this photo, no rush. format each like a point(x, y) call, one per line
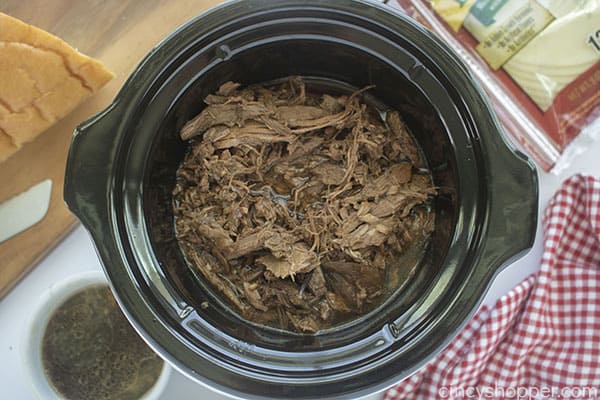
point(42, 79)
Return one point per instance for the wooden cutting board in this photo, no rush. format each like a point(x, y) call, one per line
point(117, 32)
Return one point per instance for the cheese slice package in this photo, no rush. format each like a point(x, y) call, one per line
point(538, 60)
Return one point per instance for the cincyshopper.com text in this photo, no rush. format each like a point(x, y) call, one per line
point(519, 393)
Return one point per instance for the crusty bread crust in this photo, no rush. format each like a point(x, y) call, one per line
point(42, 79)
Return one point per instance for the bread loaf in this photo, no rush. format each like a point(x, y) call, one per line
point(42, 79)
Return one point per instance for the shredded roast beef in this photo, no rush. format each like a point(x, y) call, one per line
point(296, 206)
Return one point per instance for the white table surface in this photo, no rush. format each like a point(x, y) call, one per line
point(76, 254)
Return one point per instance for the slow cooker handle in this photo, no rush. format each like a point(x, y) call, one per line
point(513, 201)
point(89, 166)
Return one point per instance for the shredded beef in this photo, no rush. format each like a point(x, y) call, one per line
point(295, 206)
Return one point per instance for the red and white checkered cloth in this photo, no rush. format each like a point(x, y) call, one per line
point(542, 339)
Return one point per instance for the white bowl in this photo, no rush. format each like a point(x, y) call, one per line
point(49, 301)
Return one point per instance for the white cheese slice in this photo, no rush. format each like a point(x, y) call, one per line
point(560, 8)
point(557, 56)
point(24, 210)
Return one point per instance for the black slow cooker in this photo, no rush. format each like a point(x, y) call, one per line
point(121, 171)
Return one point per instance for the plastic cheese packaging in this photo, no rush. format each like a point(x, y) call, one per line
point(539, 60)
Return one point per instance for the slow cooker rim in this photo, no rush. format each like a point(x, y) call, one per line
point(123, 96)
point(125, 237)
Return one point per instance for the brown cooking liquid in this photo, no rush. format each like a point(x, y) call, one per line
point(89, 350)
